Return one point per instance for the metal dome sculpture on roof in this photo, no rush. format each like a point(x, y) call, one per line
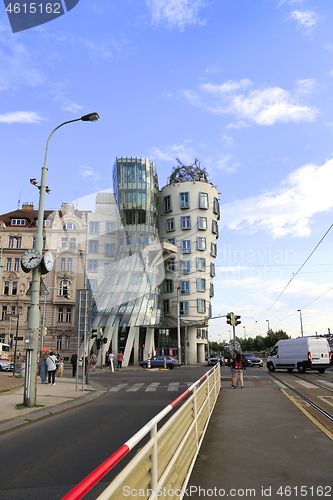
point(184, 173)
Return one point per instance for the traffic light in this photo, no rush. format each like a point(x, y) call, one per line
point(105, 339)
point(229, 317)
point(45, 331)
point(98, 343)
point(68, 292)
point(93, 334)
point(187, 344)
point(236, 320)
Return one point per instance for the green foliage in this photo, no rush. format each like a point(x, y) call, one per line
point(260, 343)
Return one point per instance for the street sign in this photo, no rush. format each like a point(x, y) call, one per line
point(10, 316)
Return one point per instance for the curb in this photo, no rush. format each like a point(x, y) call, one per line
point(36, 416)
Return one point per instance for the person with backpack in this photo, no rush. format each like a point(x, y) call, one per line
point(239, 366)
point(93, 361)
point(230, 363)
point(51, 365)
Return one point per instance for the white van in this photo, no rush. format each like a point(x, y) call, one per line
point(303, 353)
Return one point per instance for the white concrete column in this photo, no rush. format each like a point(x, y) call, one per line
point(201, 353)
point(149, 343)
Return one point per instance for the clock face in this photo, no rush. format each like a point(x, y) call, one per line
point(48, 261)
point(31, 259)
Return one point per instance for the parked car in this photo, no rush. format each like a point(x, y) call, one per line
point(214, 359)
point(253, 360)
point(6, 366)
point(158, 362)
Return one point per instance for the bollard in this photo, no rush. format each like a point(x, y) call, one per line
point(22, 370)
point(148, 361)
point(164, 363)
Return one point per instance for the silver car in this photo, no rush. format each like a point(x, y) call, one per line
point(6, 366)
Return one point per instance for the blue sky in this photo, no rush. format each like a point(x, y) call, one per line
point(246, 87)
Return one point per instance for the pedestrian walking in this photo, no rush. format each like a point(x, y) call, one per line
point(18, 354)
point(231, 361)
point(107, 362)
point(74, 363)
point(57, 355)
point(111, 361)
point(240, 367)
point(61, 367)
point(93, 361)
point(43, 368)
point(51, 368)
point(120, 358)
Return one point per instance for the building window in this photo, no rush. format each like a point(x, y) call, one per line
point(60, 314)
point(72, 243)
point(11, 242)
point(186, 222)
point(44, 242)
point(167, 205)
point(64, 287)
point(201, 243)
point(12, 309)
point(70, 264)
point(18, 222)
point(203, 200)
point(18, 242)
point(69, 225)
point(171, 265)
point(107, 267)
point(168, 285)
point(16, 264)
point(94, 227)
point(170, 224)
point(68, 314)
point(184, 287)
point(166, 306)
point(198, 333)
point(110, 228)
point(201, 306)
point(3, 313)
point(67, 342)
point(59, 342)
point(14, 288)
point(216, 207)
point(201, 284)
point(184, 308)
point(212, 270)
point(201, 264)
point(213, 249)
point(109, 250)
point(185, 200)
point(186, 246)
point(92, 285)
point(62, 264)
point(6, 288)
point(92, 266)
point(211, 290)
point(9, 265)
point(93, 246)
point(185, 266)
point(63, 242)
point(202, 223)
point(215, 227)
point(46, 223)
point(172, 241)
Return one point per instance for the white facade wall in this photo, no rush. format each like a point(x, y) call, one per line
point(189, 213)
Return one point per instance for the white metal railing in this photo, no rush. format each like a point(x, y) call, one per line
point(165, 462)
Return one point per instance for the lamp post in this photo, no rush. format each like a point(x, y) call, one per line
point(268, 325)
point(244, 332)
point(30, 382)
point(300, 317)
point(178, 328)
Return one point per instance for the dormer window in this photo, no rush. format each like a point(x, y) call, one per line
point(18, 222)
point(69, 225)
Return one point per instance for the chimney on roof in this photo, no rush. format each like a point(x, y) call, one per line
point(27, 206)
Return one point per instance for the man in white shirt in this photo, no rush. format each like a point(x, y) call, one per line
point(111, 360)
point(51, 365)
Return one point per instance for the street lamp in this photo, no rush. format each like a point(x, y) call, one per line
point(300, 317)
point(30, 382)
point(244, 332)
point(268, 325)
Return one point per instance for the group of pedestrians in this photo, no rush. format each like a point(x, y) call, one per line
point(237, 365)
point(51, 363)
point(111, 362)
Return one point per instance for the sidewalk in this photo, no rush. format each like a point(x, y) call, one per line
point(51, 399)
point(259, 444)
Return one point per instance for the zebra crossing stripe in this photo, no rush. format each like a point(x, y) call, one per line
point(117, 387)
point(134, 387)
point(152, 387)
point(173, 386)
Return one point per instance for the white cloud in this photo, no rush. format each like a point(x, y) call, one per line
point(175, 13)
point(214, 68)
point(21, 117)
point(87, 173)
point(305, 19)
point(184, 152)
point(71, 106)
point(263, 106)
point(288, 209)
